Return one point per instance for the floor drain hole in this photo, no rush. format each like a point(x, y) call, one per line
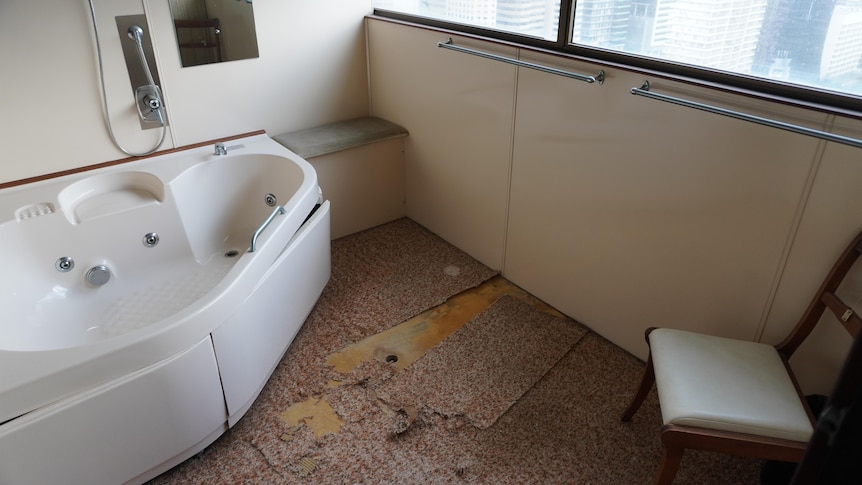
point(231, 254)
point(391, 359)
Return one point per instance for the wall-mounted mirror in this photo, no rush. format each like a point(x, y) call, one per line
point(211, 31)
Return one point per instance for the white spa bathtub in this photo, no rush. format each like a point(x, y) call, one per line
point(119, 382)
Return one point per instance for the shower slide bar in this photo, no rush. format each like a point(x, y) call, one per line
point(823, 135)
point(599, 78)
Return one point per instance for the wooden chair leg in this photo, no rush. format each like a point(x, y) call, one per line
point(669, 465)
point(647, 382)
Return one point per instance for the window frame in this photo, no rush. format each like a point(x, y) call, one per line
point(832, 102)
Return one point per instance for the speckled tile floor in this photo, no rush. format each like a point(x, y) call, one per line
point(469, 398)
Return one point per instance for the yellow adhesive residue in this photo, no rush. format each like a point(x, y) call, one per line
point(411, 339)
point(316, 413)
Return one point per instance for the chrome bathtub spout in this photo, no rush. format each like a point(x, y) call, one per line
point(221, 149)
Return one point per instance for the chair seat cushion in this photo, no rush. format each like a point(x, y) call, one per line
point(724, 384)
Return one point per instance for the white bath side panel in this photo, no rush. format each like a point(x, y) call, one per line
point(628, 212)
point(458, 109)
point(250, 344)
point(117, 431)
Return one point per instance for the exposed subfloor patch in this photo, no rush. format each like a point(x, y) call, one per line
point(501, 342)
point(401, 345)
point(316, 413)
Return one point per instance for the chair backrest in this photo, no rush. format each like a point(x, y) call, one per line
point(832, 455)
point(826, 298)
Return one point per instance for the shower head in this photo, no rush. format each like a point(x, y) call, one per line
point(136, 33)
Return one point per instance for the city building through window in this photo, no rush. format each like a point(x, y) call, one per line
point(810, 43)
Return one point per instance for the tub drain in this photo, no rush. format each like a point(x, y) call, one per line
point(64, 264)
point(391, 359)
point(231, 254)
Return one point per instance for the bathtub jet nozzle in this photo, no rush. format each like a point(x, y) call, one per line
point(98, 276)
point(151, 239)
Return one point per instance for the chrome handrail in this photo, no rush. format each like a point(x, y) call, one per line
point(599, 78)
point(253, 247)
point(802, 130)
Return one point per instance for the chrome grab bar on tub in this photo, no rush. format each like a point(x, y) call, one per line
point(278, 210)
point(599, 78)
point(823, 135)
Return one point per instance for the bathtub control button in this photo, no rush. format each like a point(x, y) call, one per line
point(98, 275)
point(64, 264)
point(151, 239)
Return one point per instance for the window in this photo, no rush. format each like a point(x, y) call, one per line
point(532, 18)
point(796, 46)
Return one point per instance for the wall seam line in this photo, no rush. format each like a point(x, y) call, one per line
point(511, 164)
point(793, 232)
point(368, 67)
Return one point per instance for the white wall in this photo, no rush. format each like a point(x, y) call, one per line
point(311, 70)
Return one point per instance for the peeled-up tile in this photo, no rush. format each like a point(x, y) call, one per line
point(479, 371)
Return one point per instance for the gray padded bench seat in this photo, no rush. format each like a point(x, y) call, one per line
point(333, 137)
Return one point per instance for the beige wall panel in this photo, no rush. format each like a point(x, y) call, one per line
point(50, 77)
point(832, 217)
point(365, 185)
point(458, 110)
point(628, 212)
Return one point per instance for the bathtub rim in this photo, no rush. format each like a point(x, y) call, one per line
point(55, 374)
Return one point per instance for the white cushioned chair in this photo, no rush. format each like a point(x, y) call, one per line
point(734, 396)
